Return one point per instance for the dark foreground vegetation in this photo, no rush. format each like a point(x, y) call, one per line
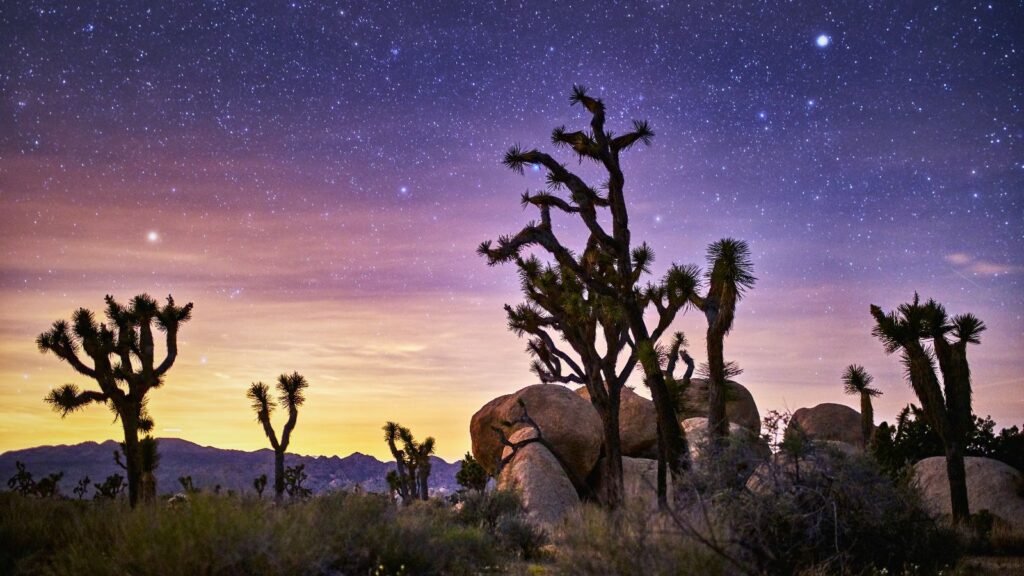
point(830, 513)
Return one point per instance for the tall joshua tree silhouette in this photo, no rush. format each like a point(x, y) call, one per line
point(596, 296)
point(857, 382)
point(909, 329)
point(291, 392)
point(123, 365)
point(730, 275)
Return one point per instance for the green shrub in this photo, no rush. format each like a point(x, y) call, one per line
point(338, 533)
point(500, 513)
point(626, 542)
point(840, 513)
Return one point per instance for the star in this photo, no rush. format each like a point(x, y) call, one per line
point(153, 237)
point(823, 41)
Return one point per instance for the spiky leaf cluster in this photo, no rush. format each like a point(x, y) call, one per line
point(856, 380)
point(121, 352)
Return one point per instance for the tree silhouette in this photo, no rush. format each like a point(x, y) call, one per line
point(410, 479)
point(123, 365)
point(471, 474)
point(857, 381)
point(150, 461)
point(294, 476)
point(260, 484)
point(398, 479)
point(22, 481)
point(186, 484)
point(730, 275)
point(676, 388)
point(291, 389)
point(82, 487)
point(594, 301)
point(110, 488)
point(909, 329)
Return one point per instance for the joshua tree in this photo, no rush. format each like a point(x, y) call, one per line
point(150, 461)
point(857, 381)
point(908, 329)
point(399, 481)
point(82, 487)
point(676, 387)
point(412, 462)
point(729, 276)
point(471, 474)
point(294, 476)
point(186, 484)
point(110, 488)
point(49, 487)
point(22, 481)
point(423, 454)
point(290, 388)
point(123, 365)
point(596, 295)
point(260, 484)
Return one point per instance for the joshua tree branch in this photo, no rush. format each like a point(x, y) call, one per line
point(531, 235)
point(68, 398)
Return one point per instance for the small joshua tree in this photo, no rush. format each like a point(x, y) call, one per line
point(857, 381)
point(729, 277)
point(908, 329)
point(82, 487)
point(291, 392)
point(49, 487)
point(676, 388)
point(398, 479)
point(294, 476)
point(471, 475)
point(594, 301)
point(22, 481)
point(186, 484)
point(110, 488)
point(412, 463)
point(260, 484)
point(123, 365)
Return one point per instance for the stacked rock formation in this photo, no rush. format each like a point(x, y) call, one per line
point(552, 472)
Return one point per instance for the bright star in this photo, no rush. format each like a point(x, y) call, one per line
point(153, 236)
point(823, 40)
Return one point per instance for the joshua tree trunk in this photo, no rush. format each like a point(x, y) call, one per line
point(132, 454)
point(423, 486)
point(718, 422)
point(867, 418)
point(611, 464)
point(278, 474)
point(673, 447)
point(957, 480)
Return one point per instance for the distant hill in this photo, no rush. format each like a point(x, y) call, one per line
point(208, 466)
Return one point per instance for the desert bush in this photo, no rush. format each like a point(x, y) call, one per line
point(823, 510)
point(628, 541)
point(338, 533)
point(500, 513)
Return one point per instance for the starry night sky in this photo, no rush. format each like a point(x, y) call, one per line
point(316, 176)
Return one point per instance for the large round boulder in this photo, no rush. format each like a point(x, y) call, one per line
point(830, 422)
point(696, 431)
point(538, 477)
point(991, 485)
point(740, 407)
point(484, 442)
point(568, 423)
point(640, 482)
point(638, 423)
